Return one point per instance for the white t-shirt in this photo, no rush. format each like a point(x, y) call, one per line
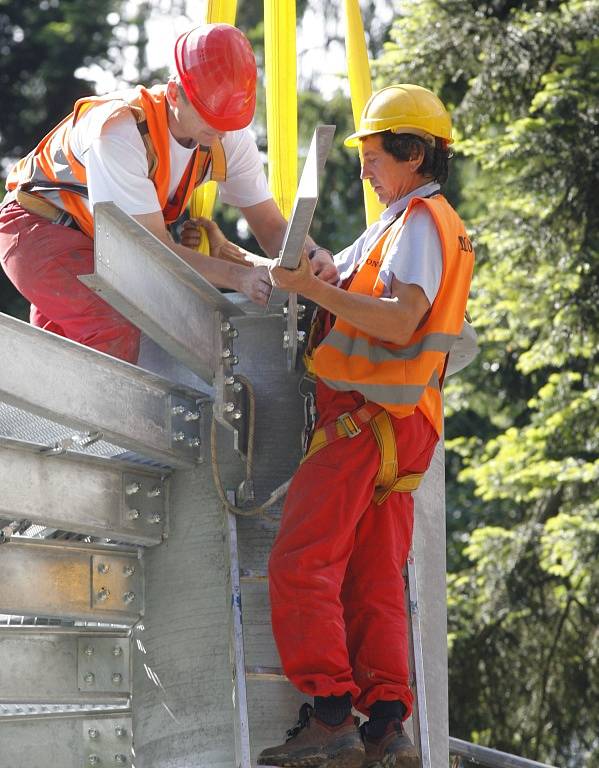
point(415, 257)
point(115, 159)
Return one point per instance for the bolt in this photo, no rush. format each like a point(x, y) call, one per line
point(120, 759)
point(94, 760)
point(191, 416)
point(128, 570)
point(238, 387)
point(133, 514)
point(233, 333)
point(301, 310)
point(155, 491)
point(103, 568)
point(117, 651)
point(177, 410)
point(194, 442)
point(132, 488)
point(301, 336)
point(225, 326)
point(155, 518)
point(237, 414)
point(229, 407)
point(128, 597)
point(89, 650)
point(229, 380)
point(103, 594)
point(234, 360)
point(120, 731)
point(226, 353)
point(117, 678)
point(286, 340)
point(93, 733)
point(178, 437)
point(89, 678)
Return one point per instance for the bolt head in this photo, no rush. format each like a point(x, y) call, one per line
point(225, 326)
point(233, 333)
point(229, 380)
point(178, 437)
point(128, 597)
point(93, 733)
point(155, 518)
point(155, 491)
point(132, 488)
point(103, 594)
point(226, 353)
point(194, 442)
point(229, 407)
point(94, 760)
point(192, 416)
point(117, 678)
point(234, 360)
point(117, 651)
point(238, 387)
point(89, 650)
point(128, 570)
point(120, 731)
point(177, 410)
point(237, 414)
point(120, 759)
point(103, 567)
point(133, 514)
point(89, 678)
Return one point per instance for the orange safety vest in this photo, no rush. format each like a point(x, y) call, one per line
point(53, 172)
point(402, 378)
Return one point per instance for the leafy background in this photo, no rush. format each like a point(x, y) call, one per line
point(522, 427)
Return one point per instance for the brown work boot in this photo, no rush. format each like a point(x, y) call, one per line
point(314, 744)
point(391, 750)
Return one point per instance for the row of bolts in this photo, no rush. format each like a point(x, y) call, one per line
point(104, 593)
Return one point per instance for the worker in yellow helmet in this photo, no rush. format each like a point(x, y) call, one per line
point(380, 353)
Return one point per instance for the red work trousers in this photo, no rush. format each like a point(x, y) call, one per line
point(43, 261)
point(336, 570)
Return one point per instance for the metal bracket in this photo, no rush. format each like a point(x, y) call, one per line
point(229, 407)
point(116, 583)
point(108, 742)
point(185, 425)
point(144, 506)
point(103, 664)
point(78, 441)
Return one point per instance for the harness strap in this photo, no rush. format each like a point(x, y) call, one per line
point(350, 425)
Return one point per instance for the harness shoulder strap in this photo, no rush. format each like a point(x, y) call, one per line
point(142, 126)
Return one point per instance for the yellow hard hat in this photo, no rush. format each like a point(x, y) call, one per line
point(403, 108)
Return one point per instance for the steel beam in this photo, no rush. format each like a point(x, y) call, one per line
point(157, 290)
point(88, 390)
point(69, 741)
point(491, 758)
point(67, 580)
point(64, 665)
point(82, 494)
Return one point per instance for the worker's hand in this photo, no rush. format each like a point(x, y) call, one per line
point(220, 247)
point(256, 284)
point(324, 267)
point(294, 280)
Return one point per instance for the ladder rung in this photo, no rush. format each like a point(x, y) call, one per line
point(265, 673)
point(247, 576)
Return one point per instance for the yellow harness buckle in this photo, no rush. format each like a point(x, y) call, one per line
point(348, 425)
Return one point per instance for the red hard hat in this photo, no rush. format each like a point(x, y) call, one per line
point(217, 68)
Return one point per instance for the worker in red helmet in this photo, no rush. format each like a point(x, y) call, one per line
point(146, 150)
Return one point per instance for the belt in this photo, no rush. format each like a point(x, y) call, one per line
point(42, 207)
point(350, 425)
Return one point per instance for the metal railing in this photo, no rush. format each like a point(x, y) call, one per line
point(466, 753)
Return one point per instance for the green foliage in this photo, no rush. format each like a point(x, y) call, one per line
point(522, 80)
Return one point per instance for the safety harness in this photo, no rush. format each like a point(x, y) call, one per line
point(349, 425)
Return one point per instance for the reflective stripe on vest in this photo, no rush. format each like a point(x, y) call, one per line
point(52, 171)
point(401, 378)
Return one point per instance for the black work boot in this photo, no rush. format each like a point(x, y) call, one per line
point(388, 746)
point(314, 744)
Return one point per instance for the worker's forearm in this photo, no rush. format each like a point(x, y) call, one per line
point(384, 319)
point(221, 273)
